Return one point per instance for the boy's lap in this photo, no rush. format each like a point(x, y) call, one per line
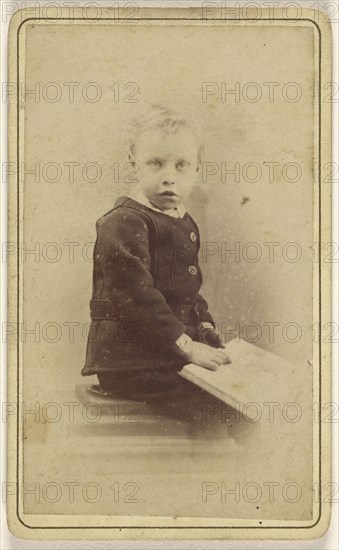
point(167, 393)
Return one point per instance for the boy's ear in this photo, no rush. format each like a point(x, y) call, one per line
point(198, 168)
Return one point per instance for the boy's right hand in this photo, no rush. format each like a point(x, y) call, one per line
point(206, 356)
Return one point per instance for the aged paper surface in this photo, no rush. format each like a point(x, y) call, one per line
point(83, 464)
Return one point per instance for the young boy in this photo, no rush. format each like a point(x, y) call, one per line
point(148, 317)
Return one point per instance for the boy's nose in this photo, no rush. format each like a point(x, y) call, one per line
point(168, 182)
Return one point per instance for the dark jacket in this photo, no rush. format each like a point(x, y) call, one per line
point(146, 283)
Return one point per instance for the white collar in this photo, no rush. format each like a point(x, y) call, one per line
point(138, 196)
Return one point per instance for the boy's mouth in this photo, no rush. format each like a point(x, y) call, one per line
point(168, 194)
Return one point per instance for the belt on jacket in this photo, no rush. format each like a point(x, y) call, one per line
point(104, 310)
point(186, 313)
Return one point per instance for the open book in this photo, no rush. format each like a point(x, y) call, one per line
point(255, 376)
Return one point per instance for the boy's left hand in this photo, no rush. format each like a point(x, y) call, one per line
point(208, 335)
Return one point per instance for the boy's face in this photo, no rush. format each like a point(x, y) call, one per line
point(167, 166)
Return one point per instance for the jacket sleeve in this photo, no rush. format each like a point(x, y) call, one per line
point(127, 283)
point(202, 308)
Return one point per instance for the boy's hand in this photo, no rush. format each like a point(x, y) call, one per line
point(208, 335)
point(207, 356)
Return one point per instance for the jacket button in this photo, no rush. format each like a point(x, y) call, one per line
point(193, 237)
point(192, 270)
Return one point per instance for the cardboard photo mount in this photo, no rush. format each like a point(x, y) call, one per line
point(64, 527)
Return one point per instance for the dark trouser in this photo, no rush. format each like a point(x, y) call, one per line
point(167, 394)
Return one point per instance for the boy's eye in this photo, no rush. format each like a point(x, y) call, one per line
point(154, 163)
point(181, 165)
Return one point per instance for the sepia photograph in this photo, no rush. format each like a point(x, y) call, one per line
point(169, 258)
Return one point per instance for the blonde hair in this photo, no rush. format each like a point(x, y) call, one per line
point(168, 121)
